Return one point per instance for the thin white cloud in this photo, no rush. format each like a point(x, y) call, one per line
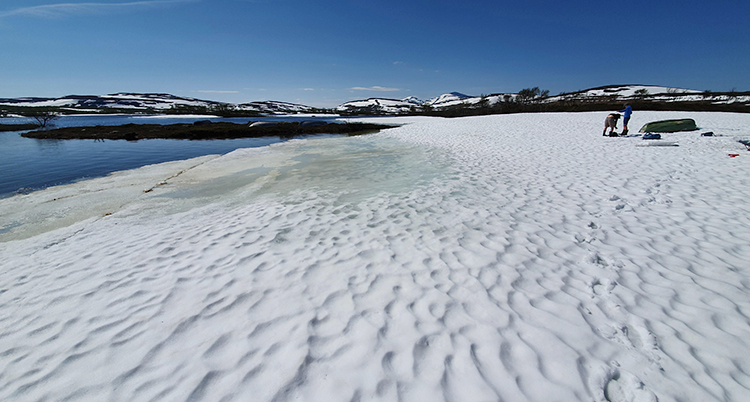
point(376, 89)
point(61, 10)
point(219, 92)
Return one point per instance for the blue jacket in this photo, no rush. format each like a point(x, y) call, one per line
point(628, 111)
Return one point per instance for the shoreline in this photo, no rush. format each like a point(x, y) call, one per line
point(17, 127)
point(203, 130)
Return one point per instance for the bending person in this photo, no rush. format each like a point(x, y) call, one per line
point(611, 123)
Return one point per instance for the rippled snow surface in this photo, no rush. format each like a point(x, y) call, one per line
point(499, 258)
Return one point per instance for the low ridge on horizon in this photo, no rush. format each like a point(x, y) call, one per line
point(175, 104)
point(157, 95)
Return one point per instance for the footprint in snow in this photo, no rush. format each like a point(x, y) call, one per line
point(625, 387)
point(600, 287)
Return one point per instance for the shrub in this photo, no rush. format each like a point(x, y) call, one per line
point(42, 117)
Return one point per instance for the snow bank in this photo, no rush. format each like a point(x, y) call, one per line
point(516, 258)
point(632, 90)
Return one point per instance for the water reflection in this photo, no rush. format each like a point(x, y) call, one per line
point(46, 145)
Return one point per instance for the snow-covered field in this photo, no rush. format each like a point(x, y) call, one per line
point(497, 258)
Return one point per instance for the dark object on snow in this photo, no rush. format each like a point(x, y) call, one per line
point(669, 126)
point(746, 143)
point(651, 136)
point(201, 122)
point(708, 134)
point(613, 134)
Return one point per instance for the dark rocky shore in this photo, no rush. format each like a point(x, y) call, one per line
point(204, 130)
point(17, 127)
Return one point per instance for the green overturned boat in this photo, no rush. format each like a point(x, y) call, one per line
point(669, 126)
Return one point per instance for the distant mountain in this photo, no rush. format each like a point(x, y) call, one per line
point(406, 105)
point(600, 98)
point(380, 106)
point(274, 107)
point(414, 100)
point(113, 101)
point(150, 103)
point(627, 92)
point(447, 99)
point(657, 98)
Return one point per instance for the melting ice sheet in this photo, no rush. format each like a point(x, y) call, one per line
point(514, 258)
point(351, 168)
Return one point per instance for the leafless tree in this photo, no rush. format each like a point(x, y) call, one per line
point(42, 117)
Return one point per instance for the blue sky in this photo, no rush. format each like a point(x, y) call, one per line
point(324, 53)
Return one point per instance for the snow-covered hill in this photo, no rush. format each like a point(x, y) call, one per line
point(651, 93)
point(113, 101)
point(629, 92)
point(399, 106)
point(410, 104)
point(446, 99)
point(149, 103)
point(381, 106)
point(607, 94)
point(274, 107)
point(453, 102)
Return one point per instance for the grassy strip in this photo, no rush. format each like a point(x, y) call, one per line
point(207, 131)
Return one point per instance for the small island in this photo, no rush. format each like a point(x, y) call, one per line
point(17, 127)
point(205, 130)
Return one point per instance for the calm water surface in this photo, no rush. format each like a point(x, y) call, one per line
point(28, 164)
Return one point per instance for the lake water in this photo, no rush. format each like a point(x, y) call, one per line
point(28, 164)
